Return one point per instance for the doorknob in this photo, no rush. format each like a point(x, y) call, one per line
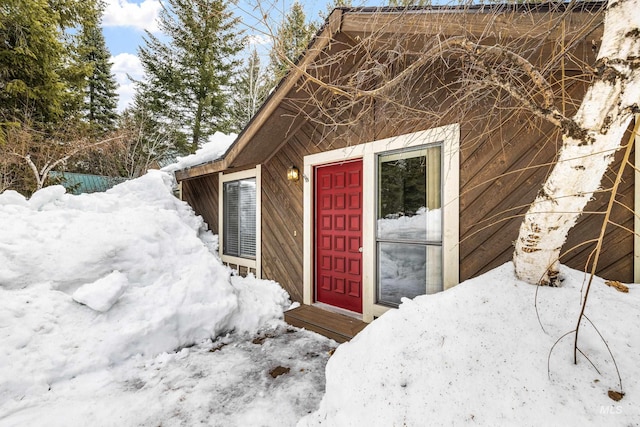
point(360, 249)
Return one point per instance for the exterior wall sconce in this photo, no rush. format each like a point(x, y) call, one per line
point(293, 174)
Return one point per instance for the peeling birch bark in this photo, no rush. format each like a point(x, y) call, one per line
point(589, 146)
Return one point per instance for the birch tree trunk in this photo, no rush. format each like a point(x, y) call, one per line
point(590, 141)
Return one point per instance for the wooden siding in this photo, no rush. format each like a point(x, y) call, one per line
point(202, 195)
point(282, 223)
point(500, 177)
point(492, 209)
point(505, 157)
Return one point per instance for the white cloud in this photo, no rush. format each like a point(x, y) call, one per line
point(123, 13)
point(126, 64)
point(259, 40)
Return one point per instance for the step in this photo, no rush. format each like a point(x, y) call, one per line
point(332, 325)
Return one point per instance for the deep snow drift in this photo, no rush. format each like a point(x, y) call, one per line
point(477, 355)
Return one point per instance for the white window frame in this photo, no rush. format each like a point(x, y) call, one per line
point(254, 264)
point(449, 136)
point(636, 208)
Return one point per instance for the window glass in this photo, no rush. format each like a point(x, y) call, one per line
point(405, 270)
point(409, 194)
point(239, 212)
point(409, 224)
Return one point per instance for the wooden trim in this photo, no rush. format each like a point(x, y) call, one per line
point(258, 222)
point(244, 262)
point(451, 207)
point(369, 256)
point(220, 214)
point(636, 209)
point(308, 252)
point(511, 24)
point(199, 170)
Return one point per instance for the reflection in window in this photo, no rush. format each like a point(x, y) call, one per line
point(409, 224)
point(239, 212)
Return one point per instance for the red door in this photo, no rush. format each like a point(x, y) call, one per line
point(338, 228)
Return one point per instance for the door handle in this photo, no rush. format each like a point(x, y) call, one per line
point(360, 249)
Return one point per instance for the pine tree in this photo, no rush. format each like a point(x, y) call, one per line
point(39, 75)
point(250, 92)
point(100, 96)
point(30, 61)
point(187, 78)
point(291, 39)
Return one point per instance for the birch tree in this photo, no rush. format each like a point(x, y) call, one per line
point(590, 140)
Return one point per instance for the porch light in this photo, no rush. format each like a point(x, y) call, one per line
point(293, 174)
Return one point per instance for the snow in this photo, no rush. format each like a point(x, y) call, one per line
point(424, 225)
point(477, 355)
point(164, 334)
point(404, 268)
point(214, 149)
point(108, 299)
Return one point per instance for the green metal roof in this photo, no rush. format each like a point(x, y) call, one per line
point(77, 183)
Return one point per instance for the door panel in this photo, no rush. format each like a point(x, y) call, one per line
point(338, 235)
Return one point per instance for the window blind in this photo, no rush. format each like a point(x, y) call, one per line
point(240, 218)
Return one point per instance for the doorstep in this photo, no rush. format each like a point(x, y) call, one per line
point(332, 325)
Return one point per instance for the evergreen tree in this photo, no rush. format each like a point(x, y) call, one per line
point(100, 96)
point(251, 90)
point(187, 78)
point(39, 76)
point(30, 61)
point(292, 38)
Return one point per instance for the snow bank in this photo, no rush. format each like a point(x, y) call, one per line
point(88, 281)
point(214, 149)
point(476, 355)
point(252, 313)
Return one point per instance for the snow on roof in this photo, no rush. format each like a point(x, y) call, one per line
point(214, 149)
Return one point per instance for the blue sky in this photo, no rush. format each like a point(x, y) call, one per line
point(124, 22)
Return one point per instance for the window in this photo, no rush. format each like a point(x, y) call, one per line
point(240, 218)
point(408, 224)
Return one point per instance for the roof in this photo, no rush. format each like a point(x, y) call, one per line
point(355, 24)
point(78, 183)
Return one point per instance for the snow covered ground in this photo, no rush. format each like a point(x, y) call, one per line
point(477, 355)
point(108, 306)
point(114, 310)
